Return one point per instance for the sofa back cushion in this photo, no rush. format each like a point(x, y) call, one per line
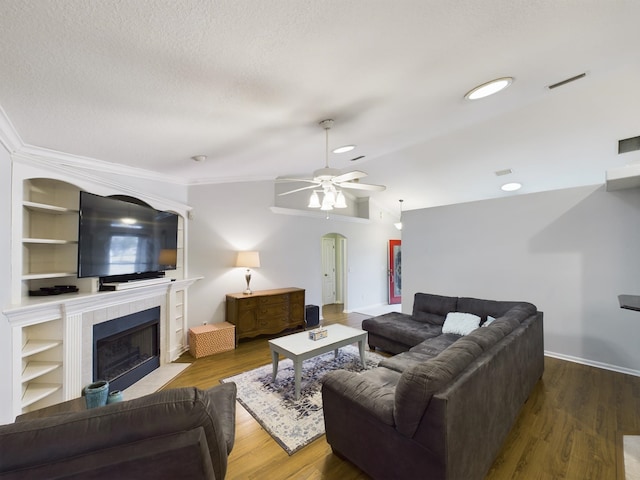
point(429, 308)
point(493, 308)
point(418, 383)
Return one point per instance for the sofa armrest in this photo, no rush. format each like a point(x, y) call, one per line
point(223, 397)
point(363, 392)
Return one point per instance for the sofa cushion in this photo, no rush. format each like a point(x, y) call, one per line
point(486, 337)
point(404, 360)
point(483, 308)
point(373, 389)
point(460, 323)
point(401, 328)
point(434, 346)
point(505, 324)
point(431, 308)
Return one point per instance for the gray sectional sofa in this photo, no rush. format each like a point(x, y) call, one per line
point(176, 433)
point(442, 407)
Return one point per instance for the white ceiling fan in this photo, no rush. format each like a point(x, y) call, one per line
point(329, 180)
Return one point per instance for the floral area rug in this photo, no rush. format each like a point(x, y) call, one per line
point(294, 423)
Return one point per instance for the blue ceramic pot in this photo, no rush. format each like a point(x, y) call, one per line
point(115, 397)
point(96, 394)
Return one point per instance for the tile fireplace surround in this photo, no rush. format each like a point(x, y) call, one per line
point(69, 319)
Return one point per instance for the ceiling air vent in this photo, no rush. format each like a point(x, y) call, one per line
point(568, 80)
point(629, 145)
point(506, 171)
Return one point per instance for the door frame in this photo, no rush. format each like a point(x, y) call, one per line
point(341, 270)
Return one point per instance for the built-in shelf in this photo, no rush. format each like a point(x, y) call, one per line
point(37, 276)
point(37, 369)
point(36, 346)
point(45, 208)
point(37, 391)
point(49, 241)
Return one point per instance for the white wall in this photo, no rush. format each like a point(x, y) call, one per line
point(232, 217)
point(5, 286)
point(570, 252)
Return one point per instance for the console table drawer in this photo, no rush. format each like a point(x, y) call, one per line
point(273, 310)
point(265, 312)
point(273, 300)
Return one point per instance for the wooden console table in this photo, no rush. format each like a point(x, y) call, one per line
point(265, 311)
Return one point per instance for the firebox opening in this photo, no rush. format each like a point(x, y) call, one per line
point(126, 349)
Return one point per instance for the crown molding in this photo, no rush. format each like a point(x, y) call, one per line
point(239, 179)
point(8, 135)
point(62, 159)
point(72, 173)
point(12, 141)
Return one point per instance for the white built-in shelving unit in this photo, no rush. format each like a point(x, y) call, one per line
point(49, 233)
point(48, 346)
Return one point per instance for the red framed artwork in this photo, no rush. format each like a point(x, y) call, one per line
point(395, 271)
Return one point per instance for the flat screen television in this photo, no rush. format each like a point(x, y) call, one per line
point(119, 240)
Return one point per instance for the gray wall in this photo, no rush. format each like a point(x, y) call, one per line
point(570, 252)
point(232, 217)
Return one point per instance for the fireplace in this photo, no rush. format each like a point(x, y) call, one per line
point(127, 348)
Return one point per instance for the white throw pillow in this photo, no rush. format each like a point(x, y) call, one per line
point(490, 319)
point(460, 323)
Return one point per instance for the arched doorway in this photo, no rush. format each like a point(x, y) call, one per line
point(334, 278)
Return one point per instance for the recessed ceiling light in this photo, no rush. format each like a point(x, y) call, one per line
point(511, 187)
point(346, 148)
point(489, 88)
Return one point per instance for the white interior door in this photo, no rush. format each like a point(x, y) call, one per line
point(328, 270)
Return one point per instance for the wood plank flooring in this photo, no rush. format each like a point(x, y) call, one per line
point(571, 427)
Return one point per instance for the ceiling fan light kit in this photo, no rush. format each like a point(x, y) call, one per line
point(330, 181)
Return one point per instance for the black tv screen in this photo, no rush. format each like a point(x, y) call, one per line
point(120, 238)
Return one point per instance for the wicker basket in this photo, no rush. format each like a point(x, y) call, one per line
point(209, 339)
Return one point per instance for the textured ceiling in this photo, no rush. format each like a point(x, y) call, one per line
point(148, 84)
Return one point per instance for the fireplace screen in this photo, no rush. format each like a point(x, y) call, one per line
point(126, 348)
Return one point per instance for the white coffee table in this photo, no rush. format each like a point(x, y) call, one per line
point(299, 347)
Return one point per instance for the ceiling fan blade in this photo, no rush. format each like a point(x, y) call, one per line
point(347, 177)
point(308, 180)
point(362, 186)
point(297, 190)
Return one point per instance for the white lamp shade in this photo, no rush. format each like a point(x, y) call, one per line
point(314, 201)
point(326, 203)
point(341, 202)
point(248, 259)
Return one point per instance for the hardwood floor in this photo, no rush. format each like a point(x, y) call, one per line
point(570, 427)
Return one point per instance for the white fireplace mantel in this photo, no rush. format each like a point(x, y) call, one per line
point(66, 321)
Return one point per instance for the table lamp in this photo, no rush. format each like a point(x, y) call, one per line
point(248, 260)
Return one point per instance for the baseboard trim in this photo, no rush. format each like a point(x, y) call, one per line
point(591, 363)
